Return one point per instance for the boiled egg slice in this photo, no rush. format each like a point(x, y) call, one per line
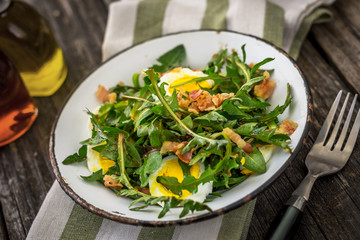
point(171, 167)
point(95, 161)
point(182, 75)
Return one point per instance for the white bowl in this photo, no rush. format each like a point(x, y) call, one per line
point(71, 126)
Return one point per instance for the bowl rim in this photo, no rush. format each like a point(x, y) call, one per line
point(154, 223)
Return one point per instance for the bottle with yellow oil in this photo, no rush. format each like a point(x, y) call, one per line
point(28, 42)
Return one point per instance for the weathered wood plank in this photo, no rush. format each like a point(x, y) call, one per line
point(331, 196)
point(25, 169)
point(339, 41)
point(3, 231)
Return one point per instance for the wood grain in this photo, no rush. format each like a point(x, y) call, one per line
point(25, 170)
point(329, 59)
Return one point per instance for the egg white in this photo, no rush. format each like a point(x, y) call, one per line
point(266, 151)
point(179, 73)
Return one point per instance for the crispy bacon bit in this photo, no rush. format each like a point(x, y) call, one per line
point(111, 97)
point(194, 108)
point(110, 182)
point(194, 95)
point(183, 100)
point(287, 127)
point(104, 95)
point(200, 100)
point(177, 147)
point(265, 89)
point(143, 190)
point(236, 138)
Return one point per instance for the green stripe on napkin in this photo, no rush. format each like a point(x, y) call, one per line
point(81, 225)
point(149, 20)
point(215, 14)
point(274, 24)
point(319, 15)
point(163, 233)
point(235, 224)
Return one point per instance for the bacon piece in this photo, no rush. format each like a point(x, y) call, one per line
point(177, 147)
point(194, 108)
point(183, 100)
point(248, 148)
point(194, 95)
point(220, 98)
point(200, 100)
point(110, 182)
point(104, 95)
point(287, 127)
point(265, 89)
point(236, 138)
point(111, 97)
point(143, 190)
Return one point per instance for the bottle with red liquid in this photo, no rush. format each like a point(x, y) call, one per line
point(17, 109)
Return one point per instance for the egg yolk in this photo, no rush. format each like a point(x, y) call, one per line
point(172, 168)
point(188, 87)
point(104, 163)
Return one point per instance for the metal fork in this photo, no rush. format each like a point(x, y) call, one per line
point(328, 155)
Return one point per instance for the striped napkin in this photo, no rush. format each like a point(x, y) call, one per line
point(283, 22)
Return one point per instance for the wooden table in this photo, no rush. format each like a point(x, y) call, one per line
point(330, 60)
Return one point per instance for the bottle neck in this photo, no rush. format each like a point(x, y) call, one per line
point(4, 5)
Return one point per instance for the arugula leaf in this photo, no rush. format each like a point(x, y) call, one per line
point(243, 101)
point(246, 129)
point(255, 161)
point(171, 59)
point(278, 109)
point(243, 52)
point(142, 116)
point(247, 86)
point(203, 153)
point(210, 117)
point(76, 157)
point(134, 159)
point(153, 162)
point(95, 176)
point(108, 150)
point(258, 65)
point(234, 111)
point(189, 205)
point(217, 61)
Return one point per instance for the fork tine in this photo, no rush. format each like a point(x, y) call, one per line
point(353, 135)
point(346, 125)
point(329, 118)
point(338, 122)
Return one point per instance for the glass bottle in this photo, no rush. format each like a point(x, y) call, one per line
point(27, 40)
point(17, 109)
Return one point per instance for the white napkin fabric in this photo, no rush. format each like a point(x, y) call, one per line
point(283, 22)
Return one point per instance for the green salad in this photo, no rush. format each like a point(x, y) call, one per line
point(180, 136)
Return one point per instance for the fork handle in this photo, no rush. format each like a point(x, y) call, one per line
point(287, 221)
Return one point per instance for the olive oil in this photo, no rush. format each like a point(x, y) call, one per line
point(28, 42)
